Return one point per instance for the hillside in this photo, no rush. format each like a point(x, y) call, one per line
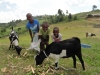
point(24, 65)
point(84, 14)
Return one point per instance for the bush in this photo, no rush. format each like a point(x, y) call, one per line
point(75, 18)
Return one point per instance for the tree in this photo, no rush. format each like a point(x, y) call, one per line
point(60, 15)
point(66, 11)
point(51, 20)
point(93, 7)
point(69, 17)
point(59, 11)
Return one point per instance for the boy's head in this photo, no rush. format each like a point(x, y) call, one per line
point(45, 26)
point(29, 17)
point(55, 31)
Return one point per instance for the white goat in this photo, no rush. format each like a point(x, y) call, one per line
point(13, 37)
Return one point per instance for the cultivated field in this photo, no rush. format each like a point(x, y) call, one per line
point(11, 64)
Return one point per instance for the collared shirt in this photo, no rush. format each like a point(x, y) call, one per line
point(44, 33)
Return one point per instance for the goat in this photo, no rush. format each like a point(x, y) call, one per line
point(13, 37)
point(90, 34)
point(64, 49)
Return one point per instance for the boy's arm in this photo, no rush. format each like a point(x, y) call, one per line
point(60, 37)
point(30, 32)
point(47, 38)
point(52, 38)
point(48, 34)
point(38, 26)
point(40, 33)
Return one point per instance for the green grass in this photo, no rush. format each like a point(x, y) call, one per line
point(21, 65)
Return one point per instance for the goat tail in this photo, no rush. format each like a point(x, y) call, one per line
point(76, 38)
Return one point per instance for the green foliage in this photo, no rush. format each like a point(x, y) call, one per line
point(2, 24)
point(51, 19)
point(69, 17)
point(96, 10)
point(56, 19)
point(14, 22)
point(3, 30)
point(75, 18)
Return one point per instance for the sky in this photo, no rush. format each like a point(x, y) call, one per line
point(17, 9)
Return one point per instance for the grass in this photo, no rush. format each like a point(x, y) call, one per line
point(14, 65)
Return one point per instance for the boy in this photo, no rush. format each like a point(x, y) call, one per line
point(56, 36)
point(33, 27)
point(44, 35)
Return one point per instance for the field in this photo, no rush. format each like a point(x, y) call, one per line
point(11, 64)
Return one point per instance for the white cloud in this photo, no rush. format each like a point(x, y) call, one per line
point(8, 7)
point(41, 7)
point(0, 1)
point(83, 2)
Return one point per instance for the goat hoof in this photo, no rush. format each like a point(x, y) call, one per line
point(56, 68)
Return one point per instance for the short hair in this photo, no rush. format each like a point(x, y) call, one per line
point(55, 28)
point(28, 14)
point(45, 23)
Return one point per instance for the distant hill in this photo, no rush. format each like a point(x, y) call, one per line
point(84, 14)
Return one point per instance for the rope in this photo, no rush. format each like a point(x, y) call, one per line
point(52, 61)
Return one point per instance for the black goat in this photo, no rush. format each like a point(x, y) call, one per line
point(64, 49)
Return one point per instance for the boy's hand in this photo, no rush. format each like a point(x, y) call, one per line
point(44, 42)
point(57, 40)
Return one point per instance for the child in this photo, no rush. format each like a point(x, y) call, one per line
point(44, 35)
point(33, 28)
point(32, 25)
point(56, 36)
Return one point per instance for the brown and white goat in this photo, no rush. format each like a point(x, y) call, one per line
point(90, 34)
